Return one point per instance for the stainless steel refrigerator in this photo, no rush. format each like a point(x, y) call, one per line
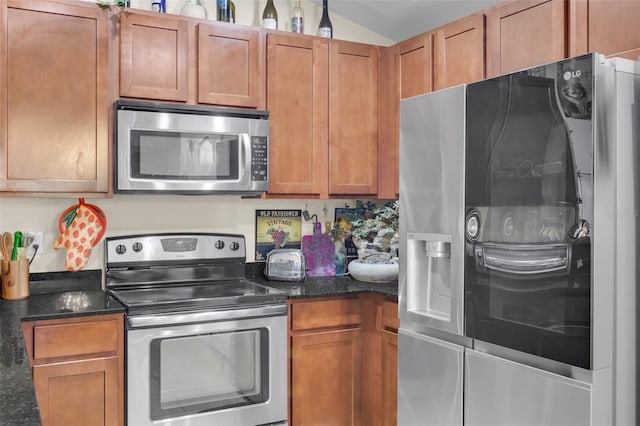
point(519, 206)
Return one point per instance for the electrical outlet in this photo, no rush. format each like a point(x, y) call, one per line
point(38, 239)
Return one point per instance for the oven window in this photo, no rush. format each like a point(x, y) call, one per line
point(207, 372)
point(184, 156)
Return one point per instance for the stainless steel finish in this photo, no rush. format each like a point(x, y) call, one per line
point(524, 259)
point(161, 320)
point(505, 386)
point(430, 286)
point(246, 127)
point(187, 247)
point(204, 345)
point(430, 381)
point(556, 367)
point(627, 274)
point(138, 355)
point(285, 265)
point(500, 392)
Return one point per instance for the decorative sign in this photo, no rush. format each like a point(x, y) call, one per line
point(277, 229)
point(343, 221)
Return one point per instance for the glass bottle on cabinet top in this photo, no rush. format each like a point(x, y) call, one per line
point(194, 9)
point(297, 18)
point(270, 16)
point(325, 29)
point(223, 10)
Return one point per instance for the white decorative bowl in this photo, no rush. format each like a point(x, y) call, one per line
point(374, 272)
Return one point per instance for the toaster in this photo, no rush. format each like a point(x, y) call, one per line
point(285, 265)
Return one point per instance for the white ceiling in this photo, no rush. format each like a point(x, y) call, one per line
point(401, 19)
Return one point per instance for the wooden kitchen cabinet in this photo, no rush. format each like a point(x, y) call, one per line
point(175, 58)
point(78, 369)
point(609, 27)
point(54, 106)
point(389, 361)
point(228, 65)
point(325, 362)
point(298, 99)
point(154, 53)
point(459, 52)
point(414, 66)
point(322, 96)
point(525, 33)
point(353, 119)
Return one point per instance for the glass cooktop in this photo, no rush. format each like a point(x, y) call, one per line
point(201, 296)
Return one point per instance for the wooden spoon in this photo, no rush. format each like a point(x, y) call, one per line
point(6, 245)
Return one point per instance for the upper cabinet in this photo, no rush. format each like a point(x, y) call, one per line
point(322, 100)
point(353, 119)
point(153, 57)
point(414, 66)
point(173, 58)
point(228, 65)
point(605, 26)
point(459, 52)
point(525, 33)
point(54, 106)
point(298, 99)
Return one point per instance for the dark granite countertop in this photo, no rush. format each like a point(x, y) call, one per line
point(53, 295)
point(321, 286)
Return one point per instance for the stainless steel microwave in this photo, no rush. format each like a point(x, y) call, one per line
point(187, 149)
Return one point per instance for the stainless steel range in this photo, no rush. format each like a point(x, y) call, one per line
point(205, 346)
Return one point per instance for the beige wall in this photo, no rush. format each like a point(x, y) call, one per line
point(131, 214)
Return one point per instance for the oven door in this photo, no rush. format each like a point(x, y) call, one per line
point(226, 368)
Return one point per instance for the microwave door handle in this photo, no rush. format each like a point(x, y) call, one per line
point(245, 158)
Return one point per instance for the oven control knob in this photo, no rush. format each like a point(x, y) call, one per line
point(137, 247)
point(219, 244)
point(121, 249)
point(234, 246)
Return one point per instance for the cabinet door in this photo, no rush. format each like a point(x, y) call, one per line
point(525, 33)
point(388, 122)
point(81, 392)
point(297, 100)
point(154, 56)
point(459, 52)
point(326, 378)
point(609, 27)
point(414, 65)
point(389, 378)
point(409, 72)
point(353, 119)
point(54, 102)
point(228, 65)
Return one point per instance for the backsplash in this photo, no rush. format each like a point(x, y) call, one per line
point(139, 214)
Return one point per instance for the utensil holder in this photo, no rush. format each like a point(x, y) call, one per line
point(15, 279)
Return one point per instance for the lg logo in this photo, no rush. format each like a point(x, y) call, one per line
point(572, 74)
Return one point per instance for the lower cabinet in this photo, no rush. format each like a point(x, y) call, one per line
point(326, 373)
point(389, 401)
point(78, 369)
point(343, 361)
point(326, 378)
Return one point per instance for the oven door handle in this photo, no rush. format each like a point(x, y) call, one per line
point(182, 318)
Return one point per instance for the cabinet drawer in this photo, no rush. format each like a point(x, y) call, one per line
point(390, 315)
point(325, 313)
point(50, 341)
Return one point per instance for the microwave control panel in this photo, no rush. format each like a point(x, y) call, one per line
point(259, 158)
